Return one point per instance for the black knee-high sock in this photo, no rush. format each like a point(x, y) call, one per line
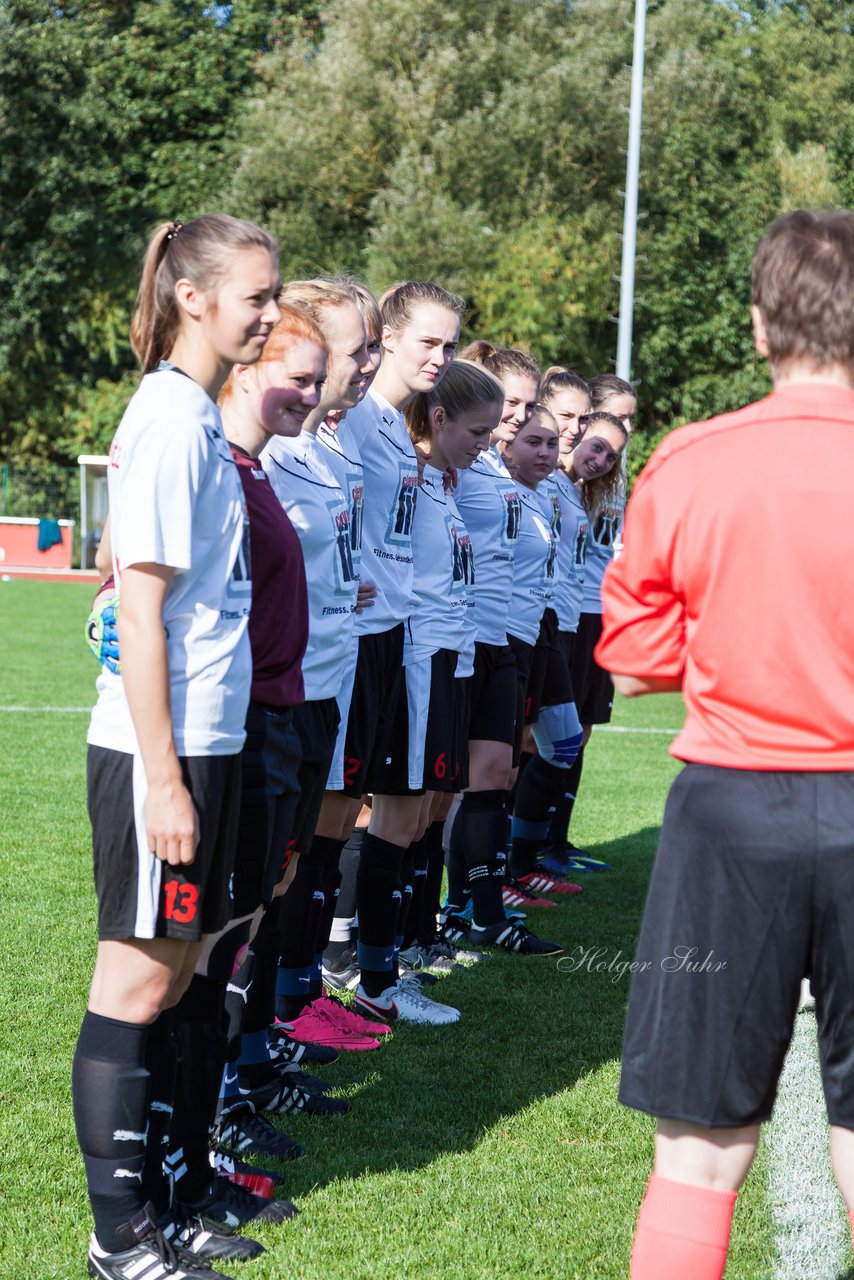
point(412, 874)
point(480, 827)
point(345, 910)
point(161, 1058)
point(429, 907)
point(539, 790)
point(301, 911)
point(525, 759)
point(201, 1042)
point(329, 856)
point(236, 1000)
point(559, 829)
point(458, 875)
point(110, 1090)
point(379, 896)
point(260, 1009)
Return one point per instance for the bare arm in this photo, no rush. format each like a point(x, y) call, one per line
point(170, 815)
point(636, 686)
point(104, 554)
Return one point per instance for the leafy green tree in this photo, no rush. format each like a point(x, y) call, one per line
point(112, 118)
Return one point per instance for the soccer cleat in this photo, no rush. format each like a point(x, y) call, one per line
point(436, 958)
point(235, 1206)
point(290, 1099)
point(421, 976)
point(315, 1026)
point(264, 1079)
point(346, 1018)
point(455, 929)
point(566, 859)
point(230, 1166)
point(583, 862)
point(285, 1052)
point(147, 1254)
point(512, 935)
point(258, 1183)
point(545, 884)
point(513, 896)
point(305, 1080)
point(405, 1001)
point(455, 933)
point(200, 1238)
point(464, 911)
point(246, 1133)
point(344, 976)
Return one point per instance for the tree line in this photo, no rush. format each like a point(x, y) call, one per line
point(481, 145)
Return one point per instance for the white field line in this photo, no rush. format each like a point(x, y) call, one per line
point(41, 710)
point(811, 1232)
point(625, 728)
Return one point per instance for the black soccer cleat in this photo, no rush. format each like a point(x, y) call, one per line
point(235, 1206)
point(512, 935)
point(291, 1098)
point(285, 1050)
point(147, 1255)
point(246, 1133)
point(198, 1238)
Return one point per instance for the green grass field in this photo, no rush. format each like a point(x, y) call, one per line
point(491, 1148)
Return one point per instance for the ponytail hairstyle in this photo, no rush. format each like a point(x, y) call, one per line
point(198, 251)
point(502, 360)
point(602, 490)
point(604, 385)
point(292, 326)
point(558, 378)
point(398, 303)
point(464, 388)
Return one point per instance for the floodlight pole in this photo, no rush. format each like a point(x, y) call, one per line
point(630, 212)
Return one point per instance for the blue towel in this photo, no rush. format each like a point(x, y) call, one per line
point(49, 534)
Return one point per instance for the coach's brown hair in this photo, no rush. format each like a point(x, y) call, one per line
point(803, 284)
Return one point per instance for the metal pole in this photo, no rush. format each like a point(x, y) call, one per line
point(84, 517)
point(630, 213)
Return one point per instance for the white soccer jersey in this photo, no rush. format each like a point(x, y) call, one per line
point(572, 548)
point(176, 500)
point(345, 461)
point(489, 503)
point(319, 510)
point(534, 568)
point(391, 486)
point(605, 526)
point(444, 578)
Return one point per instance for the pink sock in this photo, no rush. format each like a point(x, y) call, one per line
point(682, 1232)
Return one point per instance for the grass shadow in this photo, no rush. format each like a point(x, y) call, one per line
point(531, 1028)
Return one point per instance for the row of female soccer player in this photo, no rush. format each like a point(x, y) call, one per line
point(349, 568)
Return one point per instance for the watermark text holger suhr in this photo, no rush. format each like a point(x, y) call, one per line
point(602, 960)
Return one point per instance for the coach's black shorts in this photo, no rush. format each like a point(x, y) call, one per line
point(268, 804)
point(317, 725)
point(557, 685)
point(752, 890)
point(376, 736)
point(494, 694)
point(594, 689)
point(139, 896)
